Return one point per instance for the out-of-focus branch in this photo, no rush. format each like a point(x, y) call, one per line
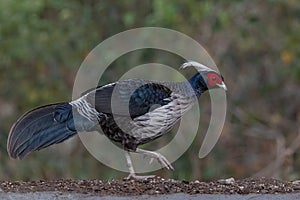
point(274, 168)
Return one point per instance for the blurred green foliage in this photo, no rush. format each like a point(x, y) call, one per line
point(254, 43)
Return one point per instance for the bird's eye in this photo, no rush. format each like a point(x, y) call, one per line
point(213, 79)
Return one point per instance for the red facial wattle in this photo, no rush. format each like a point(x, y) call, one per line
point(213, 79)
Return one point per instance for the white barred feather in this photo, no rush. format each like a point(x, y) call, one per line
point(85, 109)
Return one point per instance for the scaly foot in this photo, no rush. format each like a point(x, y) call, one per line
point(160, 158)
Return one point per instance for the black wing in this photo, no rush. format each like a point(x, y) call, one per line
point(134, 96)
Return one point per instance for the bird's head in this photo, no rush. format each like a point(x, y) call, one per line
point(205, 79)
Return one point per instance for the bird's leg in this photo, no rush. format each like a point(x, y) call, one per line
point(160, 158)
point(131, 170)
point(129, 163)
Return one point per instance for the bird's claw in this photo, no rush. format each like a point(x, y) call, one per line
point(164, 162)
point(160, 158)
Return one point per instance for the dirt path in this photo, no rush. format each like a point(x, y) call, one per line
point(154, 186)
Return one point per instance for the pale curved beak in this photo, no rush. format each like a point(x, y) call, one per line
point(223, 86)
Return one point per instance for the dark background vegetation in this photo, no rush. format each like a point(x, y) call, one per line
point(254, 43)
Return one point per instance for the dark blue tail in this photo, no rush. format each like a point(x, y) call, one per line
point(40, 128)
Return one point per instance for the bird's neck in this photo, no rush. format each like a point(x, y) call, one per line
point(198, 84)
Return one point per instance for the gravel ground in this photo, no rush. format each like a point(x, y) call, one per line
point(154, 186)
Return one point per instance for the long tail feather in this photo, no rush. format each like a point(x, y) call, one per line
point(40, 128)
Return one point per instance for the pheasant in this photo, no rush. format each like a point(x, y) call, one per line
point(129, 112)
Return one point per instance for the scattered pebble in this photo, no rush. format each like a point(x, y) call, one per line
point(227, 181)
point(154, 186)
point(241, 187)
point(296, 182)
